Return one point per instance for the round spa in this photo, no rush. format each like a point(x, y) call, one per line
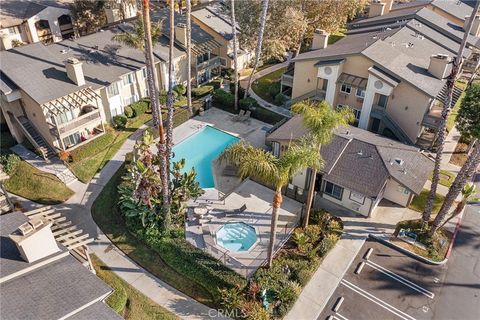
point(236, 237)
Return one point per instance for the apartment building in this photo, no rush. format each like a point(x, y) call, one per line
point(390, 69)
point(360, 169)
point(212, 19)
point(23, 22)
point(58, 96)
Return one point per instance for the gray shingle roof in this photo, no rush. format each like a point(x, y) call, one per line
point(367, 172)
point(457, 8)
point(60, 287)
point(14, 12)
point(39, 70)
point(210, 18)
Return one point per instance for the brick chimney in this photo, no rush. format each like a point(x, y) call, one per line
point(320, 39)
point(377, 8)
point(181, 33)
point(75, 71)
point(439, 65)
point(34, 240)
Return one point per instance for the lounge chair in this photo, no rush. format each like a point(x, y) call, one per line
point(239, 116)
point(230, 171)
point(238, 211)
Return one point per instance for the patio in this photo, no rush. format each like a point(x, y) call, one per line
point(201, 230)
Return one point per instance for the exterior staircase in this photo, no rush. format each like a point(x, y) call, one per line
point(36, 138)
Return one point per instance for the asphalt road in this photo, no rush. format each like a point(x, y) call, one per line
point(459, 297)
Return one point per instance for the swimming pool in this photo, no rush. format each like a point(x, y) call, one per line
point(200, 149)
point(236, 237)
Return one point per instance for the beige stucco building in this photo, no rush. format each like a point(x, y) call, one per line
point(390, 72)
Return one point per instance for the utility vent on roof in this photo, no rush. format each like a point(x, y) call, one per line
point(399, 161)
point(360, 153)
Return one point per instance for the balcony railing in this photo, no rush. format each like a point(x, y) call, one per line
point(213, 62)
point(79, 122)
point(287, 80)
point(318, 95)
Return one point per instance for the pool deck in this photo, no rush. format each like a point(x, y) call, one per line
point(257, 199)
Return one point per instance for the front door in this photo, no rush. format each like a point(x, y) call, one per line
point(375, 125)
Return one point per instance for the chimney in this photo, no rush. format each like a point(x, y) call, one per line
point(475, 30)
point(34, 240)
point(320, 39)
point(438, 66)
point(181, 33)
point(388, 6)
point(377, 8)
point(75, 71)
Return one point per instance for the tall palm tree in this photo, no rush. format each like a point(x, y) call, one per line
point(189, 56)
point(273, 171)
point(235, 52)
point(321, 120)
point(468, 195)
point(456, 66)
point(258, 50)
point(142, 37)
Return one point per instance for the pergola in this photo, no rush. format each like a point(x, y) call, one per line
point(71, 101)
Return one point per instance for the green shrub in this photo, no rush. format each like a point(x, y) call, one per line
point(128, 111)
point(255, 311)
point(202, 91)
point(334, 225)
point(180, 89)
point(232, 298)
point(320, 217)
point(120, 121)
point(163, 96)
point(223, 98)
point(287, 296)
point(274, 89)
point(248, 103)
point(228, 73)
point(279, 99)
point(327, 243)
point(9, 162)
point(118, 300)
point(303, 276)
point(266, 115)
point(140, 107)
point(241, 91)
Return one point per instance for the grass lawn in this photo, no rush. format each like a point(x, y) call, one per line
point(105, 214)
point(446, 177)
point(31, 183)
point(419, 202)
point(92, 157)
point(261, 86)
point(137, 306)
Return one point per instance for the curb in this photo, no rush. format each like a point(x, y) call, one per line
point(409, 253)
point(457, 228)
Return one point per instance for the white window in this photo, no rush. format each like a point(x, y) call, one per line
point(356, 113)
point(72, 139)
point(360, 93)
point(357, 197)
point(144, 73)
point(112, 89)
point(333, 190)
point(116, 111)
point(346, 88)
point(128, 79)
point(13, 30)
point(130, 100)
point(145, 93)
point(65, 117)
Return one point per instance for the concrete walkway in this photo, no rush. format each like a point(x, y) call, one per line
point(55, 166)
point(450, 144)
point(78, 210)
point(263, 103)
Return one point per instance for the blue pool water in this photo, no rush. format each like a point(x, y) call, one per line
point(236, 237)
point(200, 149)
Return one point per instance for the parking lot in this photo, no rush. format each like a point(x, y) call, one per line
point(386, 285)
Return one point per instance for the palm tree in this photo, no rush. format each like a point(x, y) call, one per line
point(189, 56)
point(456, 66)
point(235, 52)
point(273, 171)
point(141, 38)
point(468, 195)
point(258, 50)
point(321, 120)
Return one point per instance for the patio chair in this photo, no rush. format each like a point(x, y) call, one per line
point(238, 211)
point(230, 171)
point(239, 116)
point(246, 116)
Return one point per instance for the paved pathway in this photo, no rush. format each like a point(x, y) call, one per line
point(260, 101)
point(78, 210)
point(55, 166)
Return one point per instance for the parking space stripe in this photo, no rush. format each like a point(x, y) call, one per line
point(376, 300)
point(401, 279)
point(341, 317)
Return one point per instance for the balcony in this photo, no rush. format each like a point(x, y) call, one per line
point(316, 95)
point(433, 117)
point(211, 63)
point(80, 122)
